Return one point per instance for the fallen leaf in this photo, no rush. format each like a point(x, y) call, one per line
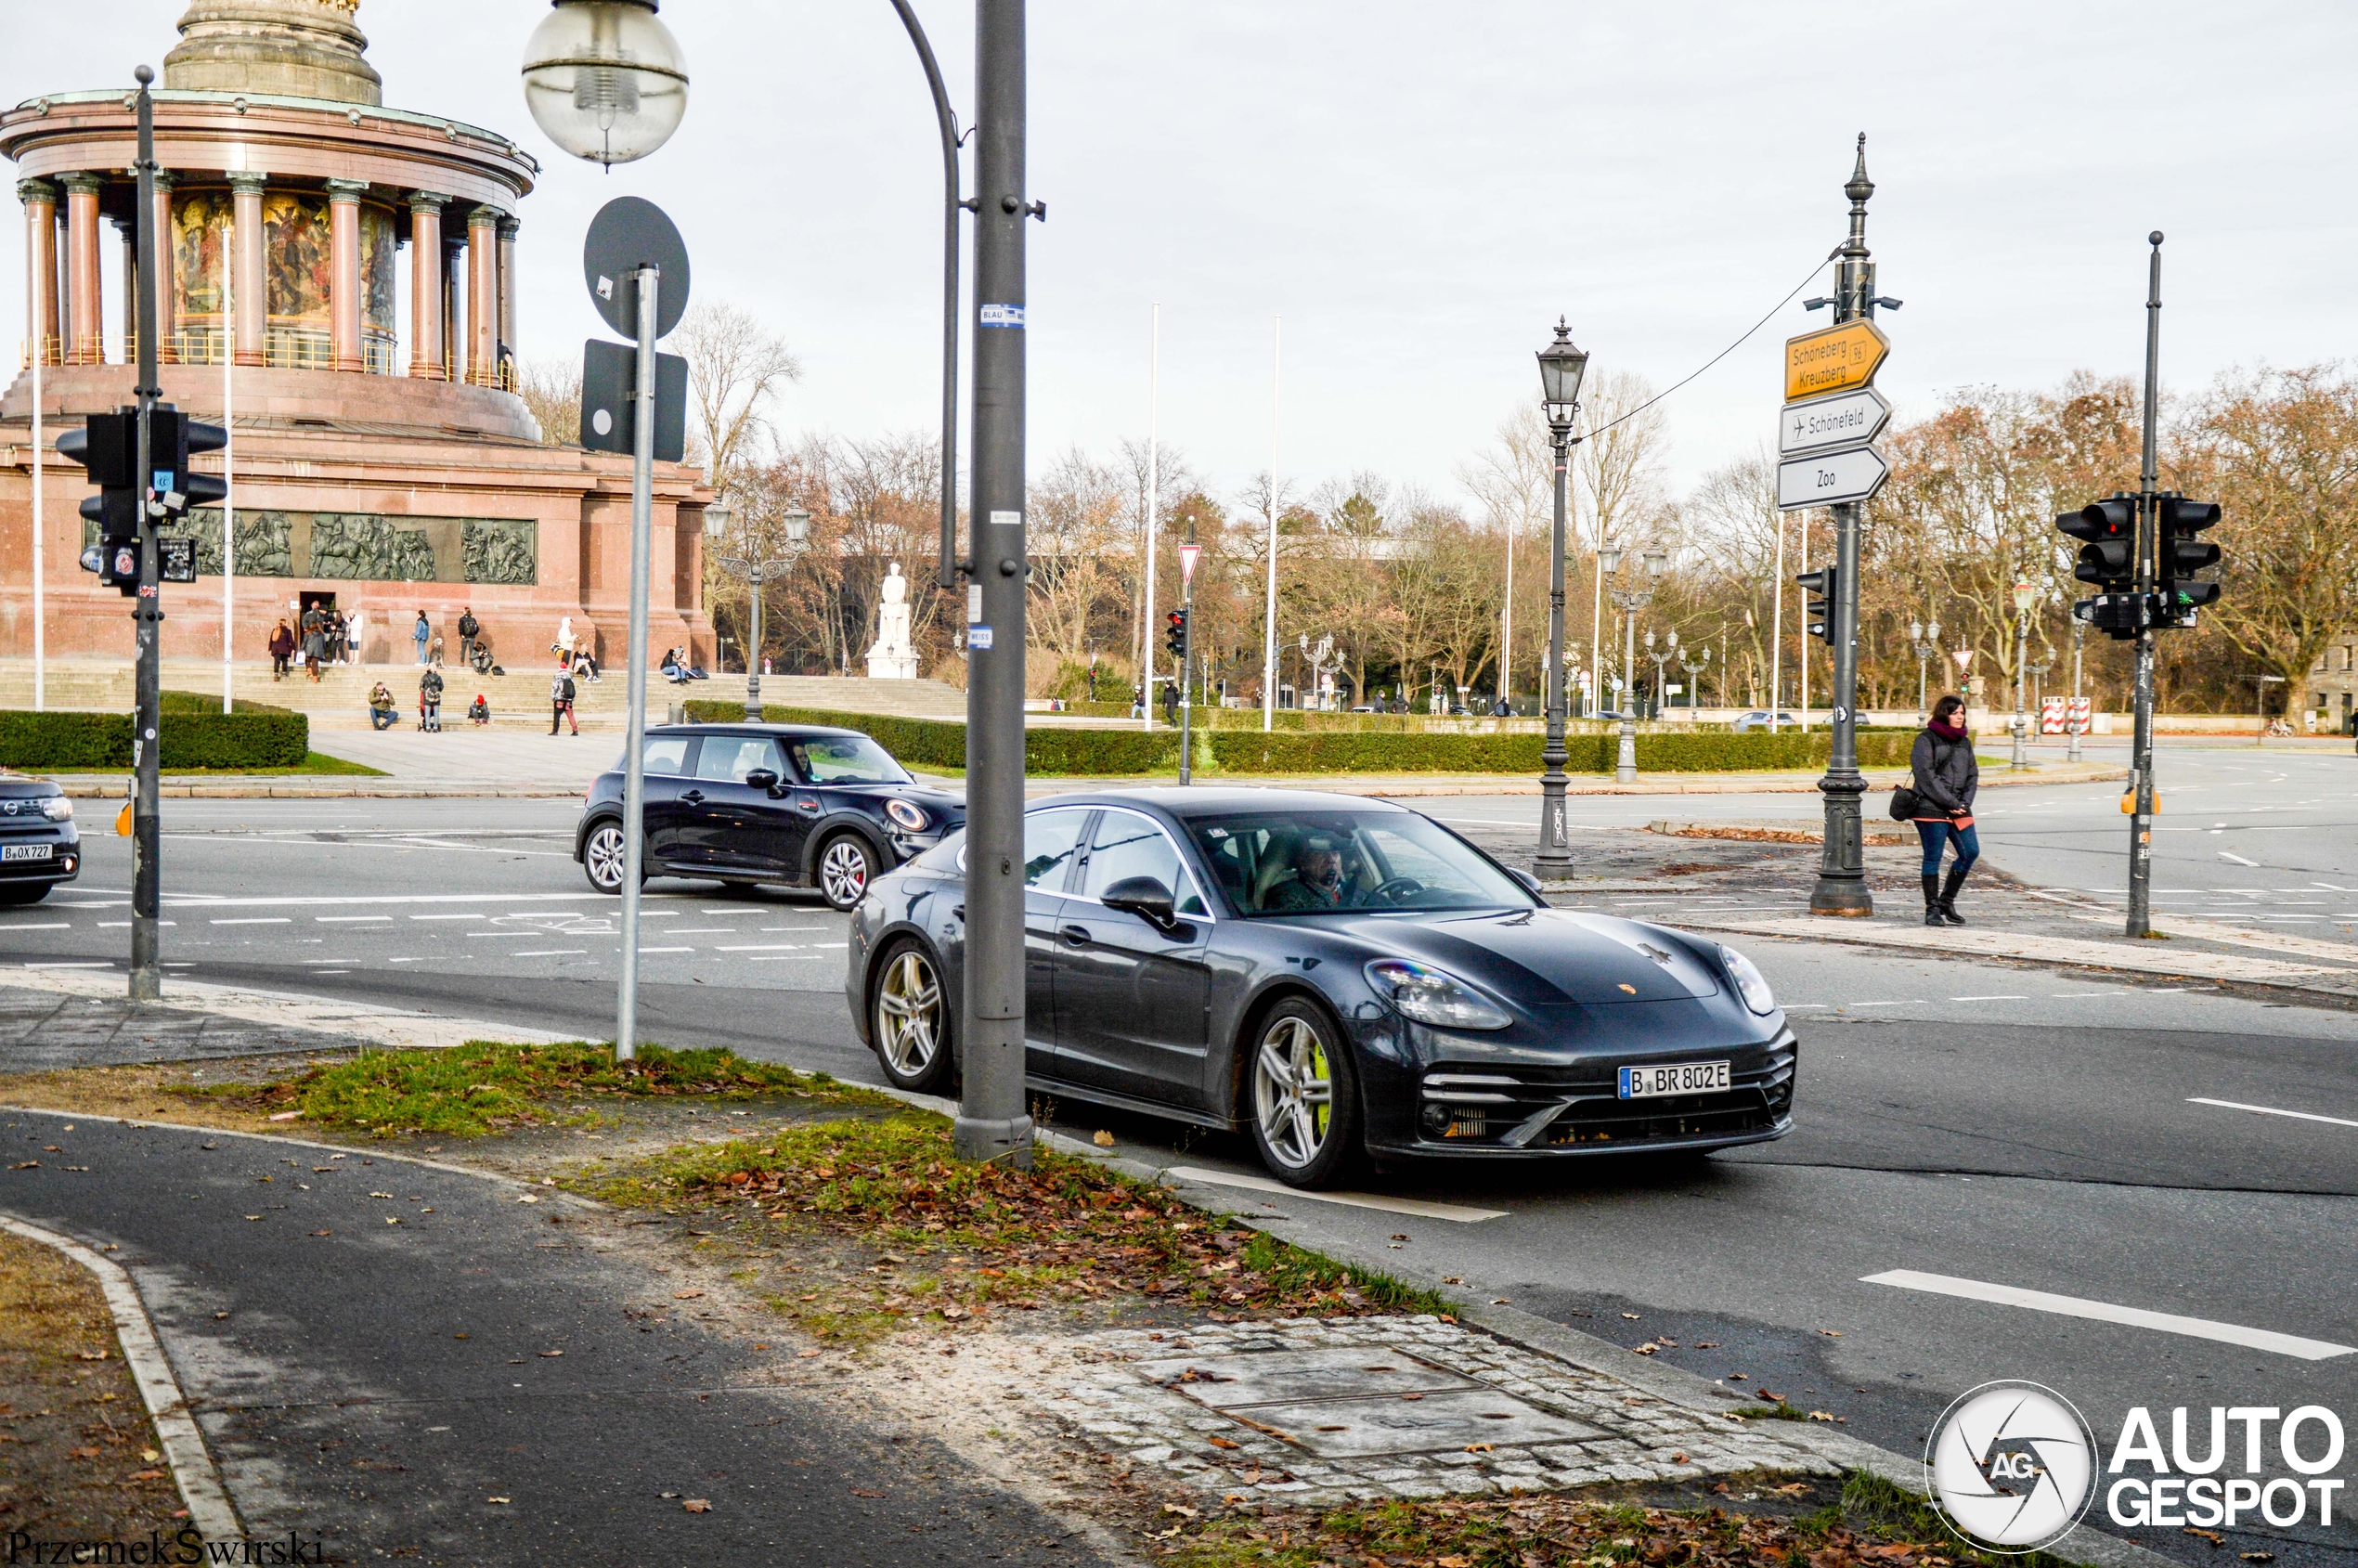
point(494, 1499)
point(26, 1165)
point(527, 1198)
point(1631, 1315)
point(1481, 1447)
point(1182, 1512)
point(863, 1492)
point(2257, 1556)
point(323, 1233)
point(685, 1295)
point(1831, 1333)
point(698, 1505)
point(1821, 1415)
point(147, 1475)
point(2213, 1537)
point(1680, 1458)
point(149, 1454)
point(1222, 1443)
point(82, 1453)
point(392, 1218)
point(381, 1195)
point(90, 1356)
point(1644, 1349)
point(253, 1216)
point(1451, 1279)
point(286, 1116)
point(546, 1354)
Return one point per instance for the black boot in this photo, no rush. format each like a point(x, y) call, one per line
point(1948, 914)
point(1932, 900)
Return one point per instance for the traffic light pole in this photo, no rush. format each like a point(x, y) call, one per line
point(147, 614)
point(1187, 685)
point(1842, 869)
point(991, 1123)
point(2140, 760)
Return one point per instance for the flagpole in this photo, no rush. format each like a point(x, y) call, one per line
point(228, 476)
point(1269, 620)
point(39, 633)
point(1154, 490)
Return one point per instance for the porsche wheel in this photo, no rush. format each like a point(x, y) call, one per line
point(1304, 1098)
point(912, 1019)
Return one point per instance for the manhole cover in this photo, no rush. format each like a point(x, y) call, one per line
point(1347, 1403)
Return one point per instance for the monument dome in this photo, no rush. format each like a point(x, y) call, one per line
point(292, 48)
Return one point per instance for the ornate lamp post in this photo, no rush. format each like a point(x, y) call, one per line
point(2071, 724)
point(1629, 601)
point(1669, 651)
point(1926, 637)
point(2024, 596)
point(756, 571)
point(1694, 670)
point(1562, 366)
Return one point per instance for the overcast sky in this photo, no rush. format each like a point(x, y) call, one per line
point(1420, 189)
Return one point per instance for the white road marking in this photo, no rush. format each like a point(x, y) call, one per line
point(210, 902)
point(2237, 859)
point(60, 925)
point(254, 920)
point(759, 947)
point(784, 958)
point(702, 931)
point(553, 953)
point(347, 919)
point(769, 928)
point(1919, 1001)
point(2105, 1312)
point(1415, 1206)
point(666, 950)
point(75, 964)
point(437, 917)
point(104, 925)
point(2271, 1110)
point(1989, 999)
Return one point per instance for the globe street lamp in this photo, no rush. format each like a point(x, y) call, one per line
point(606, 80)
point(2024, 596)
point(756, 571)
point(1694, 670)
point(1669, 651)
point(1926, 637)
point(1562, 366)
point(1629, 601)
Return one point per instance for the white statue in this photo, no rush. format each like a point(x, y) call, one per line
point(893, 657)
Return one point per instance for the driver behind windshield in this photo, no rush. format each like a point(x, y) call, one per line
point(1317, 881)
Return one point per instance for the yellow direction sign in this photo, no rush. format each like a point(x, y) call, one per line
point(1835, 359)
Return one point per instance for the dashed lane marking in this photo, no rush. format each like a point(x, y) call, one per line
point(2272, 1110)
point(1415, 1206)
point(2108, 1312)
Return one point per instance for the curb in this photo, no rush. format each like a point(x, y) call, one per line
point(183, 1449)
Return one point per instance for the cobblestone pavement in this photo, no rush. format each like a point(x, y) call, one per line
point(41, 1030)
point(1366, 1409)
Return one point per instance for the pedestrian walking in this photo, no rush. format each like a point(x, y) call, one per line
point(419, 633)
point(1945, 779)
point(469, 629)
point(315, 641)
point(430, 700)
point(282, 649)
point(1137, 702)
point(561, 692)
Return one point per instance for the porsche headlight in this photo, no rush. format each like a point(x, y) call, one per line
point(1751, 984)
point(1433, 996)
point(58, 809)
point(908, 816)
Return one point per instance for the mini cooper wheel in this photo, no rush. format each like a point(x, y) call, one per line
point(1305, 1096)
point(601, 857)
point(912, 1019)
point(846, 867)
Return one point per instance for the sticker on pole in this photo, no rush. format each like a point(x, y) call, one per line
point(978, 637)
point(1000, 316)
point(1188, 554)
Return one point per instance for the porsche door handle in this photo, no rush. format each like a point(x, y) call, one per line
point(694, 796)
point(1077, 935)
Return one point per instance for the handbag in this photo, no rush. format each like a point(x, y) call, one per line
point(1904, 802)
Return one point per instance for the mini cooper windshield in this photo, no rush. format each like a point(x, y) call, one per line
point(841, 759)
point(1314, 862)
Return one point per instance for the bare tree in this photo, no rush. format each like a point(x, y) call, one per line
point(552, 389)
point(1514, 480)
point(734, 367)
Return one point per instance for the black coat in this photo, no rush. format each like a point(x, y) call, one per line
point(1946, 775)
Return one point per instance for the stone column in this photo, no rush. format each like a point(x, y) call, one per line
point(167, 295)
point(83, 346)
point(250, 288)
point(127, 329)
point(343, 272)
point(425, 284)
point(483, 296)
point(508, 227)
point(454, 356)
point(40, 199)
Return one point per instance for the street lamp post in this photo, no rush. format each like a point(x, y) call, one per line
point(756, 571)
point(1926, 637)
point(2259, 684)
point(1669, 651)
point(2024, 595)
point(1562, 366)
point(2071, 719)
point(1694, 670)
point(1629, 601)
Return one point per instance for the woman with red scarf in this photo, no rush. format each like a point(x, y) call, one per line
point(1946, 777)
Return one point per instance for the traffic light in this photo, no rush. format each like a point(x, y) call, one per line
point(1819, 586)
point(2108, 555)
point(108, 446)
point(1176, 633)
point(2181, 552)
point(191, 488)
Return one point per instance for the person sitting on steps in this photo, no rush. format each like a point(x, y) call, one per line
point(382, 711)
point(479, 710)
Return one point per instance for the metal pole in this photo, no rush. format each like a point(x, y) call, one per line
point(634, 775)
point(1626, 765)
point(228, 478)
point(1186, 687)
point(147, 876)
point(1154, 487)
point(991, 1123)
point(2022, 672)
point(2071, 722)
point(1554, 860)
point(753, 654)
point(1777, 628)
point(2141, 746)
point(40, 644)
point(948, 566)
point(1842, 867)
point(1269, 620)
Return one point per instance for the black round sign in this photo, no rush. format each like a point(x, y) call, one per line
point(630, 233)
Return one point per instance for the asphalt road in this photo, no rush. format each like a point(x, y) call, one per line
point(2005, 1126)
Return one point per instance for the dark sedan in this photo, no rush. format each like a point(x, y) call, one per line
point(753, 803)
point(39, 847)
point(1342, 977)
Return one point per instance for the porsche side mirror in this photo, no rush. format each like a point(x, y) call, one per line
point(762, 778)
point(1143, 897)
point(1524, 877)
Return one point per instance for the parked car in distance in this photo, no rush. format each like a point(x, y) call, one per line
point(1340, 978)
point(746, 804)
point(1758, 719)
point(39, 845)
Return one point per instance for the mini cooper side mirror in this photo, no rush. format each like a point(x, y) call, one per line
point(1524, 877)
point(1143, 897)
point(762, 778)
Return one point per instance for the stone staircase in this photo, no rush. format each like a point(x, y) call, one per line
point(340, 699)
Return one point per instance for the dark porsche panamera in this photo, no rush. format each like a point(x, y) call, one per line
point(1342, 977)
point(753, 803)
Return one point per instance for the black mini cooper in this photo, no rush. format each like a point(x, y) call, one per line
point(39, 847)
point(751, 803)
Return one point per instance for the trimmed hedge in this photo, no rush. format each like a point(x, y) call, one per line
point(1105, 753)
point(70, 743)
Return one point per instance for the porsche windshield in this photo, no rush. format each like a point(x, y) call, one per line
point(1312, 863)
